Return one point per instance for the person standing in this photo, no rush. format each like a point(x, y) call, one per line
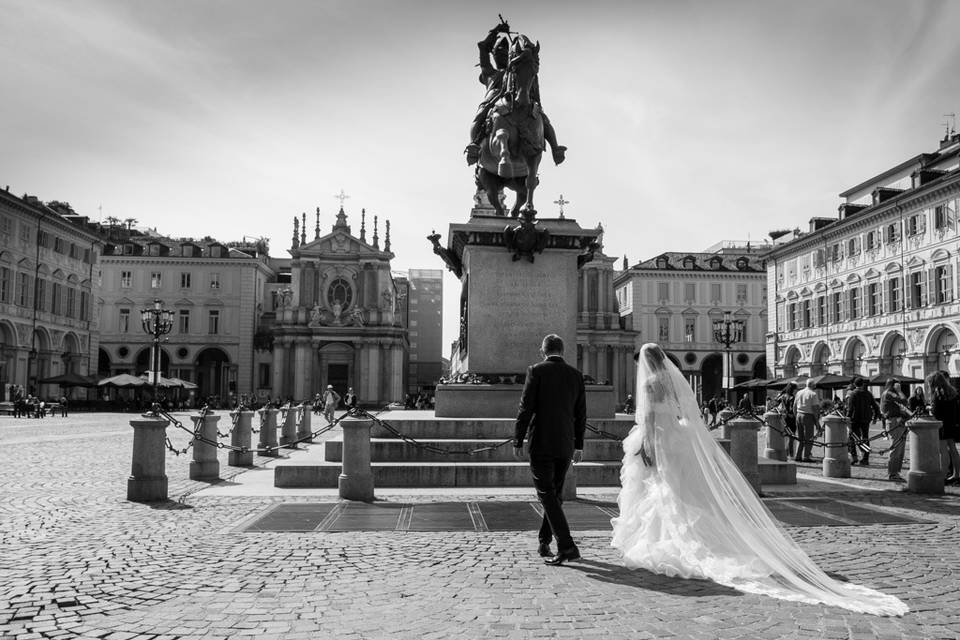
point(806, 408)
point(893, 406)
point(350, 399)
point(862, 409)
point(917, 402)
point(330, 400)
point(785, 402)
point(553, 408)
point(63, 406)
point(944, 407)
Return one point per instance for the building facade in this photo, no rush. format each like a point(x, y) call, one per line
point(873, 290)
point(673, 299)
point(337, 321)
point(424, 322)
point(48, 256)
point(215, 293)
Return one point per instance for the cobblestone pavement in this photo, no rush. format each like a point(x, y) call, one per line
point(78, 560)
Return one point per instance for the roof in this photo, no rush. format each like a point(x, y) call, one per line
point(715, 262)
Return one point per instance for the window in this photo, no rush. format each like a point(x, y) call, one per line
point(339, 293)
point(214, 280)
point(821, 310)
point(690, 292)
point(185, 280)
point(917, 292)
point(124, 321)
point(690, 329)
point(58, 245)
point(853, 246)
point(41, 299)
point(792, 316)
point(24, 232)
point(71, 310)
point(715, 293)
point(126, 279)
point(945, 216)
point(23, 290)
point(943, 279)
point(819, 258)
point(741, 294)
point(663, 291)
point(893, 293)
point(184, 321)
point(853, 309)
point(663, 329)
point(805, 317)
point(155, 279)
point(263, 376)
point(84, 303)
point(836, 252)
point(5, 284)
point(871, 240)
point(837, 310)
point(916, 224)
point(55, 305)
point(873, 299)
point(213, 322)
point(43, 239)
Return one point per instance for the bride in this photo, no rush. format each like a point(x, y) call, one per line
point(686, 510)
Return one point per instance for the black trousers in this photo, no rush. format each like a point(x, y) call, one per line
point(548, 475)
point(862, 430)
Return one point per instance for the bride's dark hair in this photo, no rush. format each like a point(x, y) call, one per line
point(653, 355)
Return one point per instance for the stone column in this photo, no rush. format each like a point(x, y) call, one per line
point(396, 388)
point(302, 379)
point(148, 478)
point(836, 458)
point(601, 363)
point(777, 442)
point(356, 475)
point(205, 465)
point(743, 448)
point(241, 436)
point(618, 387)
point(268, 431)
point(288, 433)
point(279, 368)
point(306, 429)
point(926, 474)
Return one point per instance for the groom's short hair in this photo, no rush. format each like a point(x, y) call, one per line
point(552, 344)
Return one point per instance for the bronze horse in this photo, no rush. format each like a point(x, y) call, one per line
point(510, 153)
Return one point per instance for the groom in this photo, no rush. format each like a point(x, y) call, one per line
point(554, 407)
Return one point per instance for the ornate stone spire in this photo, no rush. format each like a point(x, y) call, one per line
point(303, 230)
point(599, 237)
point(376, 238)
point(363, 225)
point(341, 222)
point(386, 241)
point(296, 233)
point(626, 265)
point(316, 231)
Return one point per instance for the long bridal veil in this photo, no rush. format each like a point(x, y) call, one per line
point(687, 511)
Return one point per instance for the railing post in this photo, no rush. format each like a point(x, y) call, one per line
point(776, 436)
point(288, 434)
point(205, 465)
point(723, 417)
point(743, 448)
point(925, 475)
point(836, 458)
point(268, 432)
point(306, 429)
point(148, 479)
point(356, 476)
point(241, 436)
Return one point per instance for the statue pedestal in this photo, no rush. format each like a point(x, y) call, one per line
point(507, 306)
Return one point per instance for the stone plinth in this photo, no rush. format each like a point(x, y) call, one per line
point(205, 465)
point(503, 401)
point(356, 478)
point(836, 459)
point(777, 441)
point(926, 474)
point(743, 448)
point(148, 478)
point(241, 436)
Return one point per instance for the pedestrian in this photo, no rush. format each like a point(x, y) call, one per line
point(745, 406)
point(63, 406)
point(862, 409)
point(893, 406)
point(553, 412)
point(944, 407)
point(628, 404)
point(713, 408)
point(785, 404)
point(330, 400)
point(806, 408)
point(317, 404)
point(917, 402)
point(350, 399)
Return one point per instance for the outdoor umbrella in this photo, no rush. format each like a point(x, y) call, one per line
point(881, 379)
point(122, 380)
point(783, 382)
point(754, 383)
point(832, 381)
point(181, 383)
point(69, 380)
point(162, 383)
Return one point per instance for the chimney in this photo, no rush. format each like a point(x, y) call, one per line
point(819, 223)
point(847, 210)
point(882, 194)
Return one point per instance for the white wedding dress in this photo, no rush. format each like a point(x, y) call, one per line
point(687, 511)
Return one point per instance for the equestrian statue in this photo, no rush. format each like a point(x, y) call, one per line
point(510, 129)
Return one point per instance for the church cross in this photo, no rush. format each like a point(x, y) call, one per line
point(561, 202)
point(341, 197)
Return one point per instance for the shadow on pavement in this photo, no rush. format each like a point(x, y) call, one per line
point(643, 579)
point(168, 505)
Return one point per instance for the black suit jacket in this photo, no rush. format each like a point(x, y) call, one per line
point(554, 408)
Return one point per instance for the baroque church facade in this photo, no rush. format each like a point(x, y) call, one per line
point(337, 320)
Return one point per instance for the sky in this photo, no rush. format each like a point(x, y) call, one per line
point(687, 122)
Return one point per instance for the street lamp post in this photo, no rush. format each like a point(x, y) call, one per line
point(728, 332)
point(157, 322)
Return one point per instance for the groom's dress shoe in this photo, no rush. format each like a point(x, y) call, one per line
point(563, 556)
point(544, 550)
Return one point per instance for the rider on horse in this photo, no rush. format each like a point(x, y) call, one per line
point(497, 46)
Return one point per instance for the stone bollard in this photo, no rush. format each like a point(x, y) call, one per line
point(241, 436)
point(268, 431)
point(777, 441)
point(356, 476)
point(836, 458)
point(925, 475)
point(570, 484)
point(722, 418)
point(288, 434)
point(205, 465)
point(743, 448)
point(306, 430)
point(148, 478)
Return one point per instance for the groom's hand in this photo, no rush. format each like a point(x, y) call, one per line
point(577, 456)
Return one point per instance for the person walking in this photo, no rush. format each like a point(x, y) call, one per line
point(350, 399)
point(893, 406)
point(806, 407)
point(63, 406)
point(785, 404)
point(553, 413)
point(330, 400)
point(862, 409)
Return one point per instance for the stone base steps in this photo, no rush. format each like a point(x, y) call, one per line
point(441, 474)
point(478, 428)
point(394, 450)
point(777, 471)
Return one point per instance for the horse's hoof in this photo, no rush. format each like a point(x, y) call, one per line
point(559, 154)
